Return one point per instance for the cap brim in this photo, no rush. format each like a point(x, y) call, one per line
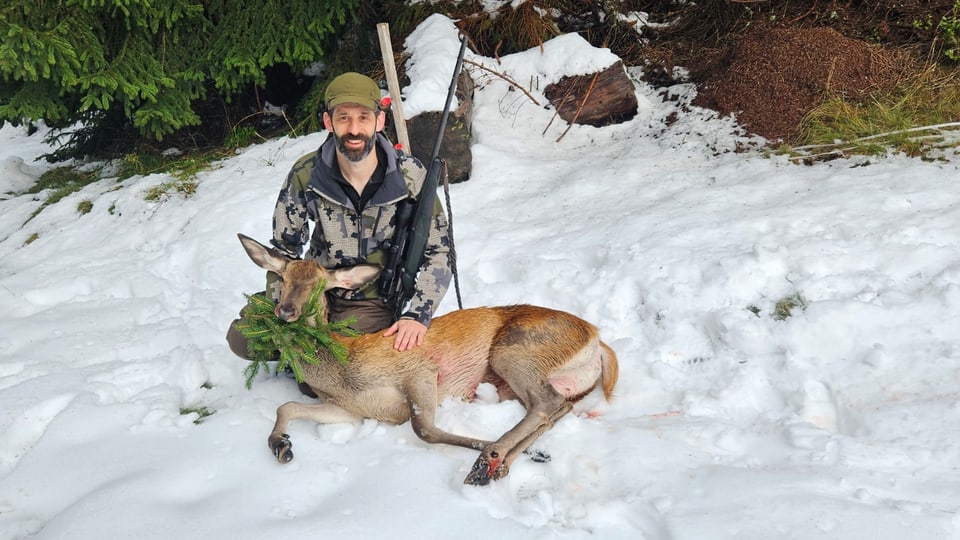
point(359, 100)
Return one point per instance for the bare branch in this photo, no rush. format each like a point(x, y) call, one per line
point(586, 96)
point(504, 77)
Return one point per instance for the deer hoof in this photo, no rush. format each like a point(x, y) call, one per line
point(478, 474)
point(281, 447)
point(486, 469)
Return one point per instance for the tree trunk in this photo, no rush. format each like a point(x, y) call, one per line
point(599, 99)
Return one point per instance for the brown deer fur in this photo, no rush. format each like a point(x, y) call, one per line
point(547, 359)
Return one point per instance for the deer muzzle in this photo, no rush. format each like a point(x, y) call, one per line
point(287, 312)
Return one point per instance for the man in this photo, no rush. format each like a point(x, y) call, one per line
point(350, 188)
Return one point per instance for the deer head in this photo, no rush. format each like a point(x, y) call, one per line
point(300, 277)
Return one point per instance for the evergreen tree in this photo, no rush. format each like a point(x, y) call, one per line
point(145, 63)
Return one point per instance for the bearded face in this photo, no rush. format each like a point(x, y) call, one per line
point(354, 129)
point(354, 147)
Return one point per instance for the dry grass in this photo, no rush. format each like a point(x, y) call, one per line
point(918, 117)
point(510, 29)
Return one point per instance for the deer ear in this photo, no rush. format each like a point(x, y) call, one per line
point(353, 277)
point(262, 256)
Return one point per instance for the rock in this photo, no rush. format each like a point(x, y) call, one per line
point(455, 146)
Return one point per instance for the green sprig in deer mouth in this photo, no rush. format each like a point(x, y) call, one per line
point(289, 343)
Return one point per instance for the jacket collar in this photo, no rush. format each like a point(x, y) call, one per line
point(394, 186)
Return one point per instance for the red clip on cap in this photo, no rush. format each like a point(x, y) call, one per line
point(385, 101)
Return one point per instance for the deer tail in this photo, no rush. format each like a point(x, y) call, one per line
point(610, 369)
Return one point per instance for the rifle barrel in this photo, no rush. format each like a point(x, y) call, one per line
point(451, 92)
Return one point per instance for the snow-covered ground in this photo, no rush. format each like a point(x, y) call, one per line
point(838, 421)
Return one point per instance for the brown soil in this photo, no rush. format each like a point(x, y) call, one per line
point(771, 77)
point(770, 62)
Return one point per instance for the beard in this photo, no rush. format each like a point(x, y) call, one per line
point(354, 155)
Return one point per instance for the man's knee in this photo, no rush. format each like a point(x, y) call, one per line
point(235, 338)
point(237, 341)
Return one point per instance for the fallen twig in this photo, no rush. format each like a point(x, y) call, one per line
point(504, 77)
point(586, 96)
point(881, 135)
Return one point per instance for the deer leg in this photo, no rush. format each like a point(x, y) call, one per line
point(321, 413)
point(524, 445)
point(422, 398)
point(544, 407)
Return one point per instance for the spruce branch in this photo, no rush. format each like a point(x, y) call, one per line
point(290, 343)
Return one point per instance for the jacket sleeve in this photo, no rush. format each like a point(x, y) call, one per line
point(290, 226)
point(435, 272)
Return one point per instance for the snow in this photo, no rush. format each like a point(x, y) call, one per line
point(838, 421)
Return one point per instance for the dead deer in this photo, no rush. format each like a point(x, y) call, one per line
point(547, 359)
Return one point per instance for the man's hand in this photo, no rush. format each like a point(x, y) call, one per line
point(409, 334)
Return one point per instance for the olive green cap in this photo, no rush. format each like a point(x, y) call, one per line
point(353, 88)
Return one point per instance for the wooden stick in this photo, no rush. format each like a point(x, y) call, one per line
point(393, 86)
point(935, 127)
point(593, 82)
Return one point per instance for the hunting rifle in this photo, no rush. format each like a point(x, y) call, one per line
point(406, 250)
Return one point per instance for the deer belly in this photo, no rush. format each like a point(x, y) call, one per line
point(385, 404)
point(579, 375)
point(459, 376)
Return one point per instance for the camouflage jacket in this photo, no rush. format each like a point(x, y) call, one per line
point(342, 237)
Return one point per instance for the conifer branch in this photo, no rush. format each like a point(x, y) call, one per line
point(290, 343)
